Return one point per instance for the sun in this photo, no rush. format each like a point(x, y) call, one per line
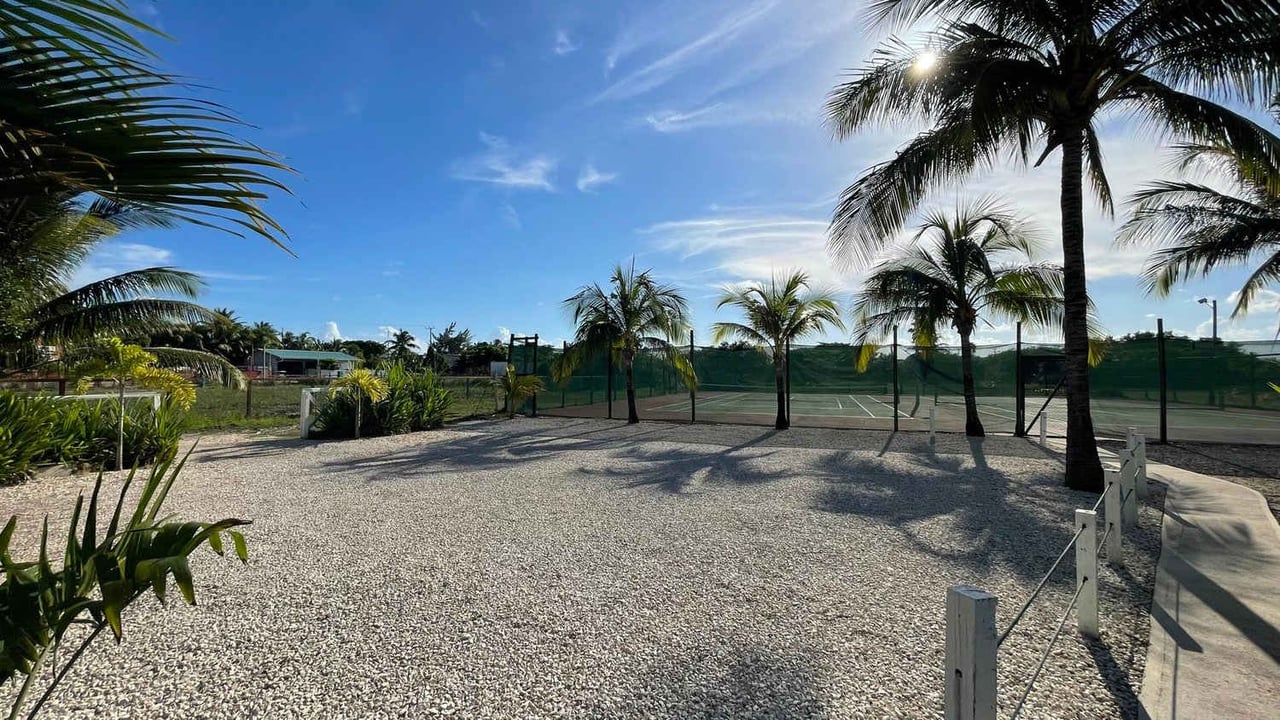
point(926, 61)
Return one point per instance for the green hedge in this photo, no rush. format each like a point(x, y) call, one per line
point(37, 430)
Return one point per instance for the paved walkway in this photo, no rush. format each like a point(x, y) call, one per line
point(1215, 615)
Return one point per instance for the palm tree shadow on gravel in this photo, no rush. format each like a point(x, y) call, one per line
point(676, 470)
point(990, 513)
point(751, 682)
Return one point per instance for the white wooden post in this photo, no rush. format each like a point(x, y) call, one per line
point(1129, 434)
point(933, 423)
point(1128, 495)
point(1087, 572)
point(1140, 460)
point(305, 410)
point(1115, 526)
point(1044, 430)
point(155, 402)
point(970, 654)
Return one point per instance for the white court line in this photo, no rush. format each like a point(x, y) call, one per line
point(839, 404)
point(887, 405)
point(683, 405)
point(864, 407)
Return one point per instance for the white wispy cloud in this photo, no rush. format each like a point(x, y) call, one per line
point(728, 248)
point(589, 178)
point(500, 164)
point(113, 258)
point(723, 114)
point(353, 103)
point(511, 217)
point(234, 277)
point(707, 44)
point(331, 331)
point(564, 44)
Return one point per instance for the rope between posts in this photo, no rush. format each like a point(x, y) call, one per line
point(1102, 541)
point(1124, 497)
point(1044, 658)
point(1103, 496)
point(1043, 581)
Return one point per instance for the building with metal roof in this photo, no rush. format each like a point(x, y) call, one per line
point(303, 363)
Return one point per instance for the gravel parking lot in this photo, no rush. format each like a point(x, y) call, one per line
point(585, 569)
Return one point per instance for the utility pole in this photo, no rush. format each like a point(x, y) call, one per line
point(1213, 303)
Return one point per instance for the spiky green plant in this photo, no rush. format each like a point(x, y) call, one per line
point(1025, 79)
point(361, 384)
point(99, 577)
point(636, 314)
point(517, 388)
point(777, 314)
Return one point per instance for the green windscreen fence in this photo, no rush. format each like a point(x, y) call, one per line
point(1213, 391)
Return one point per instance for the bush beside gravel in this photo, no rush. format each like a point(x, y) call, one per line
point(491, 571)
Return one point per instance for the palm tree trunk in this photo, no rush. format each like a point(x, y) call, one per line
point(1084, 470)
point(120, 427)
point(972, 423)
point(359, 408)
point(780, 382)
point(629, 359)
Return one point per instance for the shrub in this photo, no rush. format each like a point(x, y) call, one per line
point(414, 401)
point(25, 437)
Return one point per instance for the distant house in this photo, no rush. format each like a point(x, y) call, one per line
point(303, 363)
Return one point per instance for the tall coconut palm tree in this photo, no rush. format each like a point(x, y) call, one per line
point(84, 111)
point(949, 276)
point(1030, 78)
point(778, 313)
point(636, 314)
point(1202, 228)
point(402, 346)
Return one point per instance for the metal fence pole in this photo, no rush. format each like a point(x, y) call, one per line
point(1115, 526)
point(1044, 429)
point(248, 398)
point(1162, 366)
point(693, 395)
point(933, 423)
point(895, 378)
point(1087, 573)
point(787, 360)
point(1019, 390)
point(970, 655)
point(608, 390)
point(534, 408)
point(564, 389)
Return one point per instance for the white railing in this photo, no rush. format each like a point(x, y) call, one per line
point(305, 418)
point(971, 642)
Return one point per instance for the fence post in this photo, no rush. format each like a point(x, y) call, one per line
point(1087, 572)
point(933, 424)
point(303, 411)
point(608, 388)
point(1140, 464)
point(1019, 390)
point(1044, 429)
point(1162, 367)
point(693, 394)
point(895, 378)
point(248, 398)
point(970, 654)
point(1128, 492)
point(1115, 526)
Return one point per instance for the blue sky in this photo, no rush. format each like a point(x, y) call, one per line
point(478, 161)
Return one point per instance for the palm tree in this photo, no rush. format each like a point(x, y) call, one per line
point(517, 388)
point(84, 111)
point(635, 315)
point(1203, 228)
point(49, 242)
point(777, 314)
point(361, 383)
point(1027, 78)
point(948, 276)
point(402, 346)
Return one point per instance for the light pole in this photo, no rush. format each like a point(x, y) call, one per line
point(1214, 397)
point(1213, 304)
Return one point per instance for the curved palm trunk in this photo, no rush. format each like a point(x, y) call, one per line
point(782, 422)
point(972, 423)
point(1084, 470)
point(629, 359)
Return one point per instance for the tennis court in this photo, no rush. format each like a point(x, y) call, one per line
point(862, 410)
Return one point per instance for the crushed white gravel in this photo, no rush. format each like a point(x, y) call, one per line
point(586, 569)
